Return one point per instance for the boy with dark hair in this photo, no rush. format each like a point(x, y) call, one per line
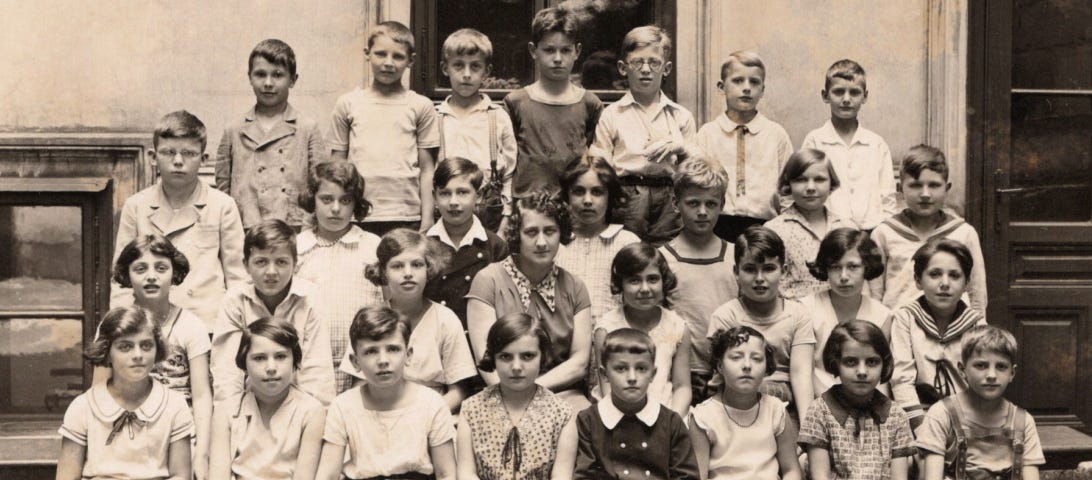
point(270, 256)
point(202, 222)
point(263, 159)
point(628, 434)
point(554, 120)
point(861, 158)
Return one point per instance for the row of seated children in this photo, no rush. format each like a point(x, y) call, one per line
point(392, 428)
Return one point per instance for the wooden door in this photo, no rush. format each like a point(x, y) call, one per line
point(1030, 144)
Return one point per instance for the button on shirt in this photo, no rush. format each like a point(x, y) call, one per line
point(653, 444)
point(864, 167)
point(768, 148)
point(478, 248)
point(626, 130)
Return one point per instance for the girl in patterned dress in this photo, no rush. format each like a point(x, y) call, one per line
point(593, 192)
point(150, 265)
point(808, 177)
point(853, 431)
point(516, 429)
point(334, 248)
point(641, 274)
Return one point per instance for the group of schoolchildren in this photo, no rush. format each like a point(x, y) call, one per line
point(648, 300)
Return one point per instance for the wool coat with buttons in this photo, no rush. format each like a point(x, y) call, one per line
point(653, 444)
point(265, 170)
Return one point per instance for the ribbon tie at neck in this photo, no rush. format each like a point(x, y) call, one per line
point(127, 418)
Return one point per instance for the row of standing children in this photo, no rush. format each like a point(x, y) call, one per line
point(554, 35)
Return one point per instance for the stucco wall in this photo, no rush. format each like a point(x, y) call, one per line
point(799, 39)
point(119, 65)
point(114, 65)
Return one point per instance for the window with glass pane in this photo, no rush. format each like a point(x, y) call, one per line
point(41, 366)
point(508, 25)
point(44, 271)
point(1051, 111)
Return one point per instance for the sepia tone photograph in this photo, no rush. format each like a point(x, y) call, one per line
point(529, 239)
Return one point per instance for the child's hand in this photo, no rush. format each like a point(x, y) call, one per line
point(664, 151)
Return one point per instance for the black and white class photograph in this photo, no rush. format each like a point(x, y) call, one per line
point(546, 240)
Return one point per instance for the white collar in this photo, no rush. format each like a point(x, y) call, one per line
point(828, 135)
point(106, 409)
point(444, 107)
point(308, 240)
point(298, 289)
point(754, 126)
point(610, 232)
point(627, 100)
point(476, 232)
point(611, 415)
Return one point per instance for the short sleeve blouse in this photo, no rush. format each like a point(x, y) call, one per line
point(539, 432)
point(737, 452)
point(138, 450)
point(494, 286)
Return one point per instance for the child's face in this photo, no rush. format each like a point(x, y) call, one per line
point(269, 367)
point(846, 277)
point(743, 87)
point(382, 361)
point(845, 97)
point(645, 69)
point(333, 207)
point(271, 82)
point(151, 277)
point(407, 273)
point(554, 56)
point(539, 238)
point(811, 189)
point(759, 278)
point(178, 160)
point(629, 375)
point(943, 282)
point(926, 194)
point(988, 374)
point(588, 199)
point(456, 201)
point(271, 269)
point(744, 366)
point(466, 73)
point(389, 60)
point(132, 356)
point(645, 290)
point(699, 209)
point(859, 368)
point(518, 364)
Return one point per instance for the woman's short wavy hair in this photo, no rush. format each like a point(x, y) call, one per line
point(156, 244)
point(544, 203)
point(399, 241)
point(120, 322)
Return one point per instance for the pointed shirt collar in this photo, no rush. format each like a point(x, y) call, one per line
point(611, 415)
point(879, 407)
point(476, 232)
point(828, 135)
point(793, 214)
point(444, 108)
point(107, 410)
point(199, 197)
point(298, 289)
point(628, 101)
point(547, 288)
point(308, 240)
point(754, 126)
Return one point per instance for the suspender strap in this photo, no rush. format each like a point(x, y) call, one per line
point(1018, 425)
point(493, 142)
point(443, 147)
point(959, 464)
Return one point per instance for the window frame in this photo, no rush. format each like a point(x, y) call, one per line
point(425, 73)
point(93, 196)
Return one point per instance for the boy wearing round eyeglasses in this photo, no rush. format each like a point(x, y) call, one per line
point(642, 135)
point(202, 222)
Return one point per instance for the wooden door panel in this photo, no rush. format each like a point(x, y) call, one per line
point(1047, 379)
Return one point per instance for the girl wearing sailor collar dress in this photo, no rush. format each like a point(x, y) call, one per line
point(129, 426)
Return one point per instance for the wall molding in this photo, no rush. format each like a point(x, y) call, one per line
point(946, 90)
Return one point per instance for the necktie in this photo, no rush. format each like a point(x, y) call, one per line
point(126, 419)
point(741, 155)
